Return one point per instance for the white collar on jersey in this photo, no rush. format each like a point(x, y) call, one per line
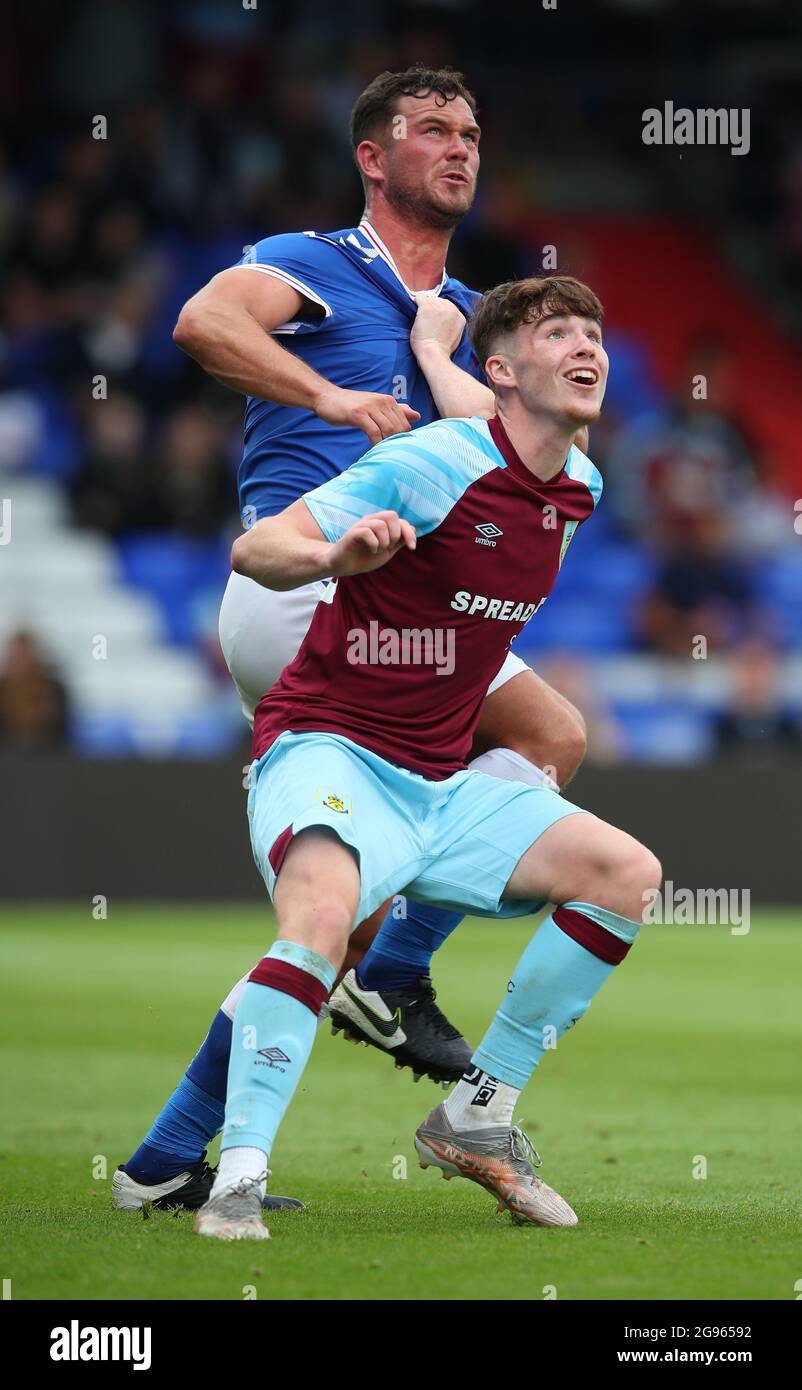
point(373, 236)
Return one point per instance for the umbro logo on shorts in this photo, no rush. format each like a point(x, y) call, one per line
point(487, 533)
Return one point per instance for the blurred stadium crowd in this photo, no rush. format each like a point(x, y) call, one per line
point(225, 124)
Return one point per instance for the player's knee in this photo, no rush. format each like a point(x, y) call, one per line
point(653, 871)
point(631, 873)
point(332, 928)
point(316, 893)
point(323, 927)
point(611, 869)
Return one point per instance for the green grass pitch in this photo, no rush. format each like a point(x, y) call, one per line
point(690, 1053)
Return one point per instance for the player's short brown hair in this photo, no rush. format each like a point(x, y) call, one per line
point(375, 108)
point(505, 307)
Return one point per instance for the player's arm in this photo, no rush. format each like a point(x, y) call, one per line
point(285, 551)
point(226, 327)
point(436, 333)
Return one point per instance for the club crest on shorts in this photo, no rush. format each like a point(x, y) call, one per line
point(334, 801)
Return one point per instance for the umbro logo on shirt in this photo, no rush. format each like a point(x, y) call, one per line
point(487, 533)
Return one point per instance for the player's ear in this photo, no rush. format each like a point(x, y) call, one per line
point(369, 157)
point(499, 370)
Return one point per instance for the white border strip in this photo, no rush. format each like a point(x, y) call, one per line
point(288, 280)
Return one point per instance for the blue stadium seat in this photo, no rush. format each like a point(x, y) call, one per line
point(209, 734)
point(780, 585)
point(592, 606)
point(611, 570)
point(174, 570)
point(665, 731)
point(577, 625)
point(632, 386)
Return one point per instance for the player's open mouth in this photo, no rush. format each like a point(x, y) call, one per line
point(455, 178)
point(586, 377)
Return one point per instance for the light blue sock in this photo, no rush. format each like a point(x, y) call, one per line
point(274, 1028)
point(563, 967)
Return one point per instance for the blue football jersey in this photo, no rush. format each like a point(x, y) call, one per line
point(359, 341)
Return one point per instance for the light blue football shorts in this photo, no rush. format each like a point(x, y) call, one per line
point(453, 843)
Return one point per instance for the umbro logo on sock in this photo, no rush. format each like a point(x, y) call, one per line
point(274, 1056)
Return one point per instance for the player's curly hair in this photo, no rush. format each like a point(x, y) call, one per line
point(375, 108)
point(505, 307)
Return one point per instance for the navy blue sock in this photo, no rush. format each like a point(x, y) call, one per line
point(209, 1067)
point(192, 1116)
point(403, 947)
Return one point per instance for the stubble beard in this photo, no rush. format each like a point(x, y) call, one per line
point(416, 204)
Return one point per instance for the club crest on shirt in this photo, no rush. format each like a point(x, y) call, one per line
point(334, 801)
point(570, 527)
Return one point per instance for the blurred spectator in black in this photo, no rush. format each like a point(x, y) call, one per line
point(791, 227)
point(33, 703)
point(192, 485)
point(702, 590)
point(491, 248)
point(49, 243)
point(757, 720)
point(687, 482)
point(111, 491)
point(674, 469)
point(182, 483)
point(113, 338)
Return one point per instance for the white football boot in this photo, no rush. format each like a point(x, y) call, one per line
point(236, 1214)
point(501, 1159)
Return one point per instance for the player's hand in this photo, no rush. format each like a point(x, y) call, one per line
point(438, 323)
point(376, 415)
point(370, 543)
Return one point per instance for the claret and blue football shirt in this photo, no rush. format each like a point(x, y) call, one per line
point(491, 540)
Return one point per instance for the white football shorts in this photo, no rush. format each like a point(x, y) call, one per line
point(262, 629)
